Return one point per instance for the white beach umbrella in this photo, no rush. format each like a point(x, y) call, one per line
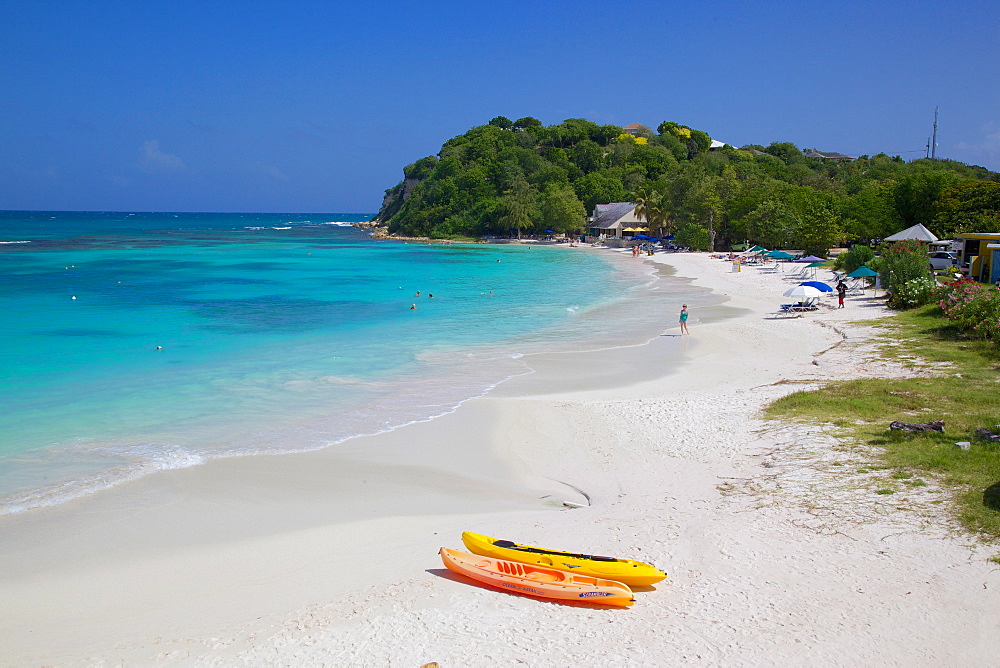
point(803, 292)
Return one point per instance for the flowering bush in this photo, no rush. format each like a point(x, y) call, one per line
point(972, 307)
point(914, 292)
point(901, 263)
point(626, 138)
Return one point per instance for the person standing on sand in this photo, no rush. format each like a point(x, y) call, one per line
point(841, 293)
point(684, 319)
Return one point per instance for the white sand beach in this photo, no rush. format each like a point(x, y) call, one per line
point(777, 550)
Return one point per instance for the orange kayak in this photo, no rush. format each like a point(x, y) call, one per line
point(537, 580)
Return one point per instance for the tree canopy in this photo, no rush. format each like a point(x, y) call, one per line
point(521, 176)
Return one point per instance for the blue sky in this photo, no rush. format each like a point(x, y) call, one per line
point(317, 106)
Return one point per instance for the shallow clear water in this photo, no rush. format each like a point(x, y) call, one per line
point(201, 335)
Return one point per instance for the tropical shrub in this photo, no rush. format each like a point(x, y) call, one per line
point(914, 292)
point(902, 262)
point(856, 257)
point(973, 308)
point(694, 236)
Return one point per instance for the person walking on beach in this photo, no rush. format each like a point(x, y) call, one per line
point(841, 293)
point(684, 319)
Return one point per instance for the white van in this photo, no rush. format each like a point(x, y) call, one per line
point(941, 260)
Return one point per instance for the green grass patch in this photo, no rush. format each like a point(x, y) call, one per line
point(956, 380)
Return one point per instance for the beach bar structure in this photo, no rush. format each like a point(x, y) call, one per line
point(615, 221)
point(975, 251)
point(917, 232)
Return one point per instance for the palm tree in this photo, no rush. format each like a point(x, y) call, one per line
point(654, 207)
point(645, 201)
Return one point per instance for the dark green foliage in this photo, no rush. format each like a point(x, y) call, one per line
point(787, 151)
point(527, 122)
point(859, 255)
point(973, 206)
point(520, 176)
point(421, 169)
point(916, 193)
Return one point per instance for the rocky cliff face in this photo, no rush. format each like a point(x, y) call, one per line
point(394, 199)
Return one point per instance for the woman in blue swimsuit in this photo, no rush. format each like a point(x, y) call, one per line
point(684, 319)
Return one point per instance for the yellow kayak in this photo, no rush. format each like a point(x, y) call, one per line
point(632, 573)
point(514, 576)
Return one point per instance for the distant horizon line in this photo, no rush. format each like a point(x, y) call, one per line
point(290, 213)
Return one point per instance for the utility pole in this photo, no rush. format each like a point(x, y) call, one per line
point(927, 148)
point(934, 137)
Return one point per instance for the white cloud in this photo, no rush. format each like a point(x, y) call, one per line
point(152, 159)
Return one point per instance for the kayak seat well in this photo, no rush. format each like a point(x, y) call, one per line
point(511, 545)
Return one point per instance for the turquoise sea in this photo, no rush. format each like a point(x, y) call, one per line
point(134, 342)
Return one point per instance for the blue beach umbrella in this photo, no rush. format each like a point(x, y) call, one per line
point(811, 258)
point(819, 285)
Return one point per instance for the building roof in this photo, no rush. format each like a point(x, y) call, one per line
point(717, 144)
point(635, 128)
point(918, 232)
point(606, 215)
point(826, 155)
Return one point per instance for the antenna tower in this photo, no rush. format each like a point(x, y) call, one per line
point(934, 137)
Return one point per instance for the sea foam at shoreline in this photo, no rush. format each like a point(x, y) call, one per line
point(196, 336)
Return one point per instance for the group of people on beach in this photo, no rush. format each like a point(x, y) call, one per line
point(637, 249)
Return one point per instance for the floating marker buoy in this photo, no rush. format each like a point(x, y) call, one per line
point(73, 297)
point(159, 347)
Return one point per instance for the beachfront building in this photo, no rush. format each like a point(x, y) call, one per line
point(975, 253)
point(615, 221)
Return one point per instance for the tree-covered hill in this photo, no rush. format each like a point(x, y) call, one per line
point(511, 177)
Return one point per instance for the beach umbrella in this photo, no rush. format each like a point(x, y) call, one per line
point(802, 292)
point(814, 265)
point(819, 285)
point(811, 258)
point(780, 255)
point(549, 231)
point(862, 272)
